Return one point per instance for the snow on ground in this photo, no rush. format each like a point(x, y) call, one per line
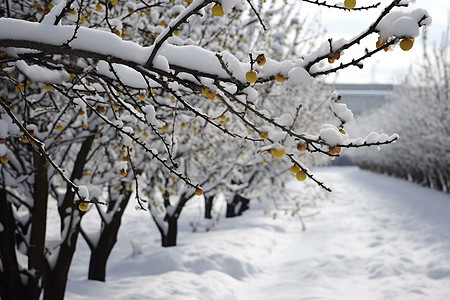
point(375, 238)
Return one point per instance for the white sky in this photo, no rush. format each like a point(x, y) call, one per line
point(384, 67)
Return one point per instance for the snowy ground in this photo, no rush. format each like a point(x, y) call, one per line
point(375, 238)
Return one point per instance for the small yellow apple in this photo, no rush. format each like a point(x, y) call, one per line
point(277, 153)
point(83, 206)
point(279, 77)
point(4, 159)
point(251, 76)
point(263, 134)
point(349, 4)
point(294, 169)
point(301, 176)
point(217, 10)
point(406, 44)
point(260, 59)
point(199, 191)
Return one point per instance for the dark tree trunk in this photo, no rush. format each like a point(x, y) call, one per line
point(56, 278)
point(108, 238)
point(237, 206)
point(208, 206)
point(170, 239)
point(38, 227)
point(10, 283)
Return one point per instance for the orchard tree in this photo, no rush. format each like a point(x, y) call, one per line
point(102, 100)
point(419, 112)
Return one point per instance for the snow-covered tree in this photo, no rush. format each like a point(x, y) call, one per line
point(103, 100)
point(419, 113)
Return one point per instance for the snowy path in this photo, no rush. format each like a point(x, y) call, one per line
point(382, 239)
point(375, 238)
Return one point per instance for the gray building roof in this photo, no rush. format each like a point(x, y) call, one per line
point(363, 97)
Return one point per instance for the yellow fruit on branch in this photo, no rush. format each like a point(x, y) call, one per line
point(301, 176)
point(123, 173)
point(263, 134)
point(301, 147)
point(217, 10)
point(260, 59)
point(48, 87)
point(350, 4)
point(210, 95)
point(295, 169)
point(199, 191)
point(114, 2)
point(279, 77)
point(83, 206)
point(59, 127)
point(277, 153)
point(165, 128)
point(142, 97)
point(251, 76)
point(406, 44)
point(4, 159)
point(335, 150)
point(380, 43)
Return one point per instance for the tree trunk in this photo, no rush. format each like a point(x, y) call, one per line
point(237, 206)
point(56, 279)
point(170, 239)
point(108, 238)
point(208, 206)
point(38, 227)
point(10, 283)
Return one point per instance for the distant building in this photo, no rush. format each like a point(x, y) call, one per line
point(363, 97)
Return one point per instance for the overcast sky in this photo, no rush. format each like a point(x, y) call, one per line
point(384, 67)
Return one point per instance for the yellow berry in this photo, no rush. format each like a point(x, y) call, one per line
point(301, 176)
point(406, 44)
point(59, 127)
point(280, 78)
point(342, 131)
point(295, 169)
point(251, 76)
point(277, 153)
point(123, 173)
point(210, 95)
point(48, 87)
point(335, 150)
point(260, 59)
point(263, 134)
point(301, 147)
point(85, 126)
point(98, 7)
point(165, 128)
point(114, 2)
point(142, 97)
point(217, 10)
point(176, 32)
point(81, 112)
point(199, 191)
point(4, 159)
point(349, 4)
point(83, 206)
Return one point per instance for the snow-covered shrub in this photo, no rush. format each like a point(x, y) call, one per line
point(419, 113)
